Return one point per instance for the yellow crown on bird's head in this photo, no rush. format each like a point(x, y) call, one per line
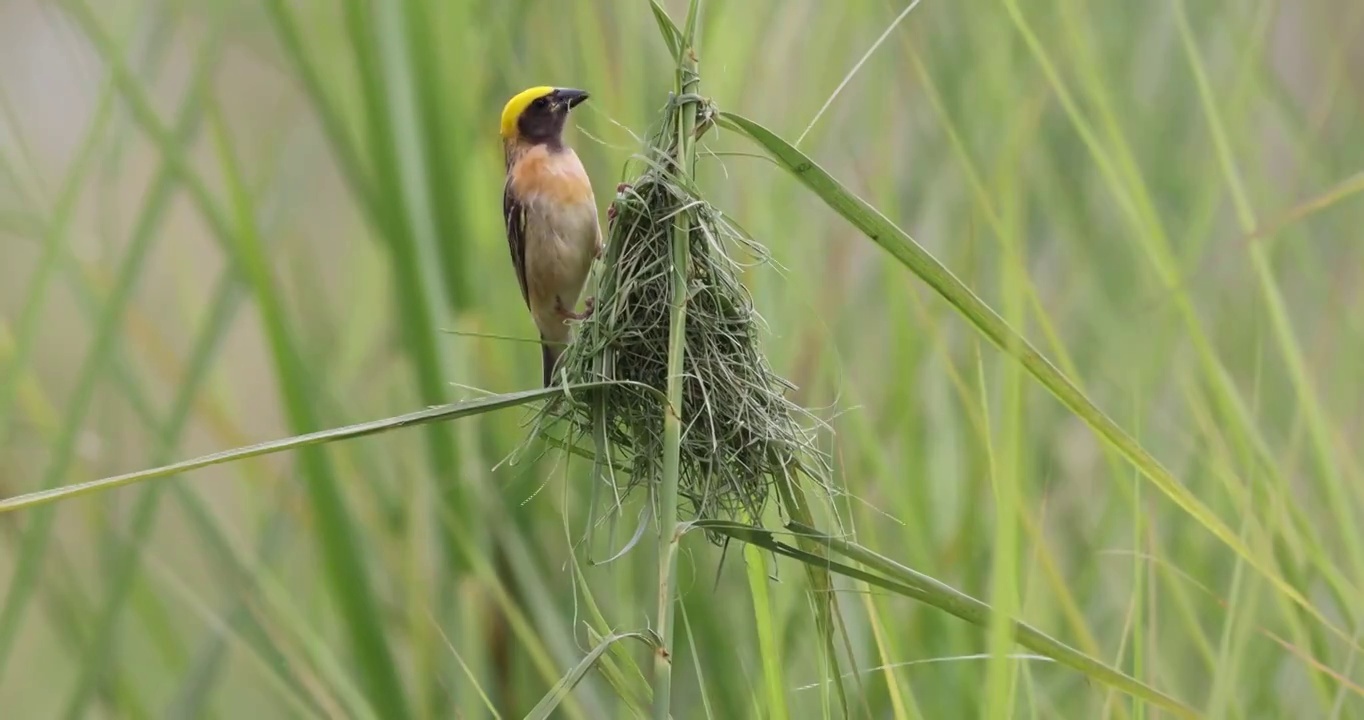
point(518, 105)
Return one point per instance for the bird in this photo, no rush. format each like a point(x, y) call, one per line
point(550, 212)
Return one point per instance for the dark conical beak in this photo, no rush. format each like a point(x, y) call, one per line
point(568, 98)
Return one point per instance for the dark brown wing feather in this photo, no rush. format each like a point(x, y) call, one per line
point(514, 213)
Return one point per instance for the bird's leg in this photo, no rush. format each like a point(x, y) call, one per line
point(588, 306)
point(611, 210)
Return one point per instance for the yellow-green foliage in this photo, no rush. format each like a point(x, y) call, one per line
point(223, 223)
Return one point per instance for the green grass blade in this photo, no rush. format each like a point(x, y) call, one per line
point(204, 670)
point(756, 566)
point(1162, 203)
point(290, 693)
point(402, 169)
point(901, 580)
point(672, 36)
point(443, 142)
point(823, 594)
point(309, 76)
point(202, 356)
point(211, 535)
point(547, 705)
point(55, 239)
point(408, 153)
point(909, 253)
point(336, 531)
point(452, 411)
point(34, 545)
point(125, 563)
point(1318, 424)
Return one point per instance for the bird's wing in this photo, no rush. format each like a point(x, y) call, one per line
point(514, 212)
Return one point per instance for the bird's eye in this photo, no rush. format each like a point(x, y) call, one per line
point(539, 103)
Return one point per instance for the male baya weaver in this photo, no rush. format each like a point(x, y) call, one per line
point(550, 213)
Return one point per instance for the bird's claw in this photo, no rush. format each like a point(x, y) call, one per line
point(588, 306)
point(611, 211)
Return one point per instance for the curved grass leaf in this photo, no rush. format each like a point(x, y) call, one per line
point(672, 36)
point(556, 694)
point(439, 413)
point(903, 581)
point(912, 255)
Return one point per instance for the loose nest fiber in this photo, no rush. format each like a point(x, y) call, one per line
point(739, 430)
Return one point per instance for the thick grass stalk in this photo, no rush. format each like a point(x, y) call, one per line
point(341, 556)
point(398, 169)
point(668, 530)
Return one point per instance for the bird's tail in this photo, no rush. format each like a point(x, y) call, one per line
point(549, 355)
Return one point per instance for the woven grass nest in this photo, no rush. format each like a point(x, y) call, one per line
point(739, 430)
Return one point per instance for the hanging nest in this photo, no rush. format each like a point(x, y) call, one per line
point(739, 430)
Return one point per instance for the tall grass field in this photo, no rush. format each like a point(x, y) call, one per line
point(992, 359)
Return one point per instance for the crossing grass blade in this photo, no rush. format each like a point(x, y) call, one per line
point(913, 256)
point(1164, 204)
point(452, 411)
point(550, 702)
point(129, 273)
point(888, 575)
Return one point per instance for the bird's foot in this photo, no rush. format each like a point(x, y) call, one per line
point(611, 209)
point(588, 306)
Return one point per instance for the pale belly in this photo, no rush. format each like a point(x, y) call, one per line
point(560, 248)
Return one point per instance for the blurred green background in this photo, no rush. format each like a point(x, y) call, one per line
point(227, 222)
